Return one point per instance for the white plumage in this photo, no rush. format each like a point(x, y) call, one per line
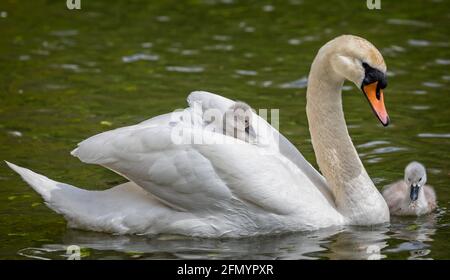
point(226, 190)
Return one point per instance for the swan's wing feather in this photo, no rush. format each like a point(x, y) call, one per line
point(284, 146)
point(267, 180)
point(189, 177)
point(288, 150)
point(209, 100)
point(203, 177)
point(176, 174)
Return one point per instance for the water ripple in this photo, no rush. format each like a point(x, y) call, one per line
point(419, 92)
point(396, 21)
point(64, 33)
point(24, 57)
point(146, 45)
point(347, 88)
point(442, 61)
point(246, 27)
point(300, 83)
point(185, 69)
point(434, 135)
point(371, 144)
point(393, 50)
point(425, 43)
point(268, 8)
point(432, 84)
point(72, 67)
point(298, 41)
point(189, 52)
point(220, 47)
point(221, 37)
point(420, 107)
point(140, 56)
point(419, 43)
point(15, 133)
point(246, 72)
point(163, 18)
point(386, 150)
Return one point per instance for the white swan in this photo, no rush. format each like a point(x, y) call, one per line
point(213, 190)
point(411, 197)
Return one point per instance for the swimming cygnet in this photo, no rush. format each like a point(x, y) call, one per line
point(237, 121)
point(410, 197)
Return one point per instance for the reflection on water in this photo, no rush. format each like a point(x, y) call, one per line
point(333, 243)
point(415, 233)
point(116, 64)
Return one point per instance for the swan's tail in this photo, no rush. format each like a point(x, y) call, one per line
point(56, 195)
point(125, 208)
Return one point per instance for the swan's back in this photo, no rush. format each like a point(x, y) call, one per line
point(243, 182)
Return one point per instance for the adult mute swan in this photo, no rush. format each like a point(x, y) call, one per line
point(411, 197)
point(222, 190)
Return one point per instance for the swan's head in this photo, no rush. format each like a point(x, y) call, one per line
point(415, 177)
point(239, 116)
point(357, 60)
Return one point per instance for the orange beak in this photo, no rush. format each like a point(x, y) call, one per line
point(376, 102)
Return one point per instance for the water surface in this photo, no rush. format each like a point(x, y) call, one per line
point(66, 75)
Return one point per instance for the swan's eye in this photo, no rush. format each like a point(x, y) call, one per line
point(372, 75)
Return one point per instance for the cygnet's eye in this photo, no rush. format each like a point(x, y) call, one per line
point(409, 179)
point(420, 179)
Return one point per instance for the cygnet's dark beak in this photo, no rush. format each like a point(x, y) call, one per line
point(414, 192)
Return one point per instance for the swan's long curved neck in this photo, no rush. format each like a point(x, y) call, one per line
point(356, 197)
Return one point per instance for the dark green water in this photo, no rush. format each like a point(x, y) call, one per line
point(66, 75)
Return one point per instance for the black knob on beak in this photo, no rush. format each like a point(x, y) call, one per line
point(414, 192)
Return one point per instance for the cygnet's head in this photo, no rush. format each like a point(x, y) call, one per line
point(415, 178)
point(239, 116)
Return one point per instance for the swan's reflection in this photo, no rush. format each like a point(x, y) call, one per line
point(334, 243)
point(419, 229)
point(403, 235)
point(359, 243)
point(416, 233)
point(286, 246)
